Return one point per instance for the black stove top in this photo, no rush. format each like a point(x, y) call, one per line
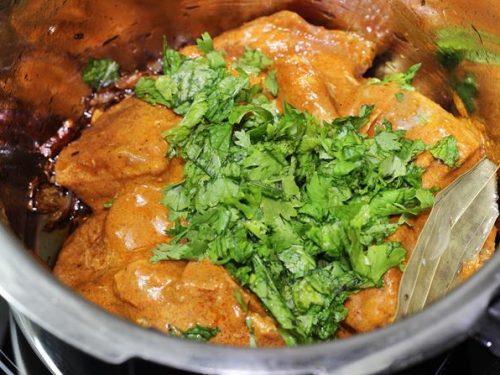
point(17, 357)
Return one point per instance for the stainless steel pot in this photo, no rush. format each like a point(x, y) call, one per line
point(42, 304)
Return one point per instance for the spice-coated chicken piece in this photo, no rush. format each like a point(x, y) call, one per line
point(425, 120)
point(107, 260)
point(124, 144)
point(317, 69)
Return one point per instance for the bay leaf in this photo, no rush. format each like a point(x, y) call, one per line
point(462, 217)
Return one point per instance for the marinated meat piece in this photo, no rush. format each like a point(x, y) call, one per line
point(123, 145)
point(372, 18)
point(107, 260)
point(84, 256)
point(317, 69)
point(144, 285)
point(376, 307)
point(112, 238)
point(101, 291)
point(137, 219)
point(423, 119)
point(175, 294)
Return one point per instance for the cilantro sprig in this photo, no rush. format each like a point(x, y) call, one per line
point(297, 209)
point(446, 150)
point(195, 333)
point(404, 79)
point(200, 333)
point(100, 73)
point(467, 90)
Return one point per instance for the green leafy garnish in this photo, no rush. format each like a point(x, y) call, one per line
point(100, 73)
point(271, 83)
point(205, 43)
point(200, 333)
point(196, 332)
point(446, 150)
point(404, 79)
point(252, 341)
point(297, 209)
point(239, 298)
point(456, 44)
point(253, 62)
point(109, 203)
point(466, 89)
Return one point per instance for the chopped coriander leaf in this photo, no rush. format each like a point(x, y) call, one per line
point(388, 141)
point(100, 73)
point(399, 96)
point(252, 340)
point(253, 62)
point(446, 150)
point(109, 203)
point(205, 43)
point(147, 89)
point(271, 83)
point(456, 44)
point(200, 333)
point(296, 209)
point(378, 259)
point(172, 59)
point(404, 79)
point(466, 90)
point(175, 252)
point(239, 298)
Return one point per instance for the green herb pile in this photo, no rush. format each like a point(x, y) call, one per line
point(298, 210)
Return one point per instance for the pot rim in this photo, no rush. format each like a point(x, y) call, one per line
point(35, 293)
